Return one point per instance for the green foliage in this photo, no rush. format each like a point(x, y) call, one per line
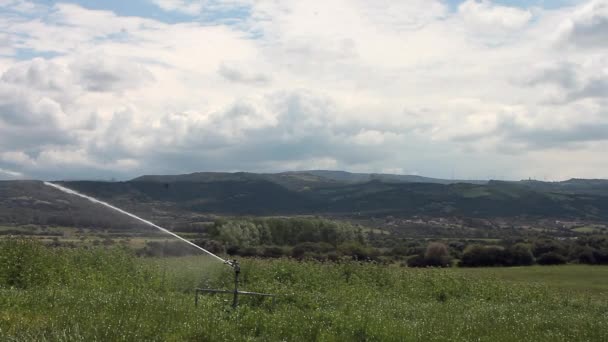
point(435, 255)
point(112, 295)
point(284, 231)
point(22, 264)
point(551, 258)
point(484, 256)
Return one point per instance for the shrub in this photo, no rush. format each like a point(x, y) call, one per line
point(551, 258)
point(416, 261)
point(233, 250)
point(311, 248)
point(541, 247)
point(167, 248)
point(484, 256)
point(479, 256)
point(22, 263)
point(437, 254)
point(601, 257)
point(593, 256)
point(273, 252)
point(249, 252)
point(356, 250)
point(213, 246)
point(518, 255)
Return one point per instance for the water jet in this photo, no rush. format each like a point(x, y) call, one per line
point(234, 264)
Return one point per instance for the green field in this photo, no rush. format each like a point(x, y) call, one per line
point(569, 279)
point(111, 295)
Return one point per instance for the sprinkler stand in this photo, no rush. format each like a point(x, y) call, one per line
point(235, 293)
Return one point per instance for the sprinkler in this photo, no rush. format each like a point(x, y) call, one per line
point(235, 293)
point(234, 263)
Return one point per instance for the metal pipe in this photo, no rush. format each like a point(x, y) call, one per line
point(237, 271)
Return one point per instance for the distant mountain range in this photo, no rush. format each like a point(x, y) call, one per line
point(319, 192)
point(310, 178)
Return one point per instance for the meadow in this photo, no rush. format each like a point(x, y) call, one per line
point(109, 294)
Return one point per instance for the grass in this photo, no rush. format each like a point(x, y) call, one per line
point(110, 295)
point(587, 229)
point(592, 280)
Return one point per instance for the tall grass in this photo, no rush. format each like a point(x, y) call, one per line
point(99, 294)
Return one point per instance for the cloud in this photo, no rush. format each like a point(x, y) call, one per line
point(357, 85)
point(587, 27)
point(485, 15)
point(553, 137)
point(235, 74)
point(21, 6)
point(102, 74)
point(189, 7)
point(563, 74)
point(574, 81)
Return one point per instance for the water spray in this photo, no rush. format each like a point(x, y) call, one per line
point(234, 264)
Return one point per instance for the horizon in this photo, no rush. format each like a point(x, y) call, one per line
point(449, 89)
point(112, 179)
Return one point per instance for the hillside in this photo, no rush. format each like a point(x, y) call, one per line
point(348, 177)
point(169, 198)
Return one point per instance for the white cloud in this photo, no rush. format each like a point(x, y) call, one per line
point(587, 27)
point(190, 7)
point(237, 74)
point(358, 85)
point(486, 15)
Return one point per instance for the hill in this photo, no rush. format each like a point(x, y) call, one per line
point(173, 198)
point(348, 177)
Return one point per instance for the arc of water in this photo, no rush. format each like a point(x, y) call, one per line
point(94, 200)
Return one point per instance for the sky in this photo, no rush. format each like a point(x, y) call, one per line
point(475, 89)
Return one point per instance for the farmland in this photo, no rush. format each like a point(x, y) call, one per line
point(110, 294)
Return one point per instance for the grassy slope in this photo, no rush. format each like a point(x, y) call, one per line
point(101, 295)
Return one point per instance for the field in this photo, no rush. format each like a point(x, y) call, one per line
point(111, 295)
point(568, 279)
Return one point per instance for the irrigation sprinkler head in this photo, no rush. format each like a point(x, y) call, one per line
point(234, 264)
point(235, 293)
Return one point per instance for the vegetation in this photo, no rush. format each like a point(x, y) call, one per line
point(484, 256)
point(323, 239)
point(109, 294)
point(315, 193)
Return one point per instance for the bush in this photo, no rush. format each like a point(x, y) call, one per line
point(518, 255)
point(233, 250)
point(487, 256)
point(416, 261)
point(249, 252)
point(593, 256)
point(551, 258)
point(22, 263)
point(601, 257)
point(437, 254)
point(311, 249)
point(213, 246)
point(541, 247)
point(480, 256)
point(273, 252)
point(166, 248)
point(356, 250)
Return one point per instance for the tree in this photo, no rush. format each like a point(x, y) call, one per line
point(518, 255)
point(551, 258)
point(479, 256)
